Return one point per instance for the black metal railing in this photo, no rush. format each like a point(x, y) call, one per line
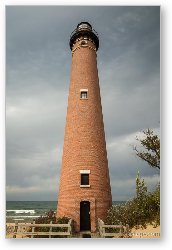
point(84, 29)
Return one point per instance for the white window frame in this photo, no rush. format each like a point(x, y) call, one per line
point(85, 171)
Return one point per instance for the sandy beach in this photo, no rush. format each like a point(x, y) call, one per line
point(149, 232)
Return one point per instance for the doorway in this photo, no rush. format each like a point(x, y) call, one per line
point(85, 216)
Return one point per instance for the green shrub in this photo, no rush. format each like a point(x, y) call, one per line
point(143, 209)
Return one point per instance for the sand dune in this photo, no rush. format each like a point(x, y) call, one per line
point(149, 232)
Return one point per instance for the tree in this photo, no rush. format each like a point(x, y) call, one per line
point(142, 209)
point(141, 188)
point(151, 145)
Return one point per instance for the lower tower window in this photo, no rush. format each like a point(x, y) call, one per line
point(84, 179)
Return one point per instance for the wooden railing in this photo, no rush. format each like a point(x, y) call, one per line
point(22, 229)
point(123, 230)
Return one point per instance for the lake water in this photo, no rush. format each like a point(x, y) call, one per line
point(25, 211)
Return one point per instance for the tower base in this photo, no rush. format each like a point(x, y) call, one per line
point(84, 216)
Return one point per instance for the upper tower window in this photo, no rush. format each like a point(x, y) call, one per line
point(83, 93)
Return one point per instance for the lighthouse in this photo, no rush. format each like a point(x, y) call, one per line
point(84, 191)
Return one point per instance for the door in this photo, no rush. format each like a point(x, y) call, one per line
point(85, 216)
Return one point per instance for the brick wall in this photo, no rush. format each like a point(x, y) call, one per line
point(84, 142)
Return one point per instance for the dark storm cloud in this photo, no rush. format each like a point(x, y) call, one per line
point(38, 63)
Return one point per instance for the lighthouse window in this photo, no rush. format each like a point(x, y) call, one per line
point(83, 95)
point(84, 44)
point(84, 179)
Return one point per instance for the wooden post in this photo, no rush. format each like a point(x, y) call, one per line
point(33, 230)
point(70, 228)
point(101, 228)
point(50, 229)
point(120, 230)
point(127, 230)
point(15, 229)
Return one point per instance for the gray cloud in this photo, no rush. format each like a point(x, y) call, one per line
point(38, 62)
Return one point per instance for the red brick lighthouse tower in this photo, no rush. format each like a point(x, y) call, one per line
point(85, 193)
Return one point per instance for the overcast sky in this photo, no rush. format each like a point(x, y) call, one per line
point(38, 60)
